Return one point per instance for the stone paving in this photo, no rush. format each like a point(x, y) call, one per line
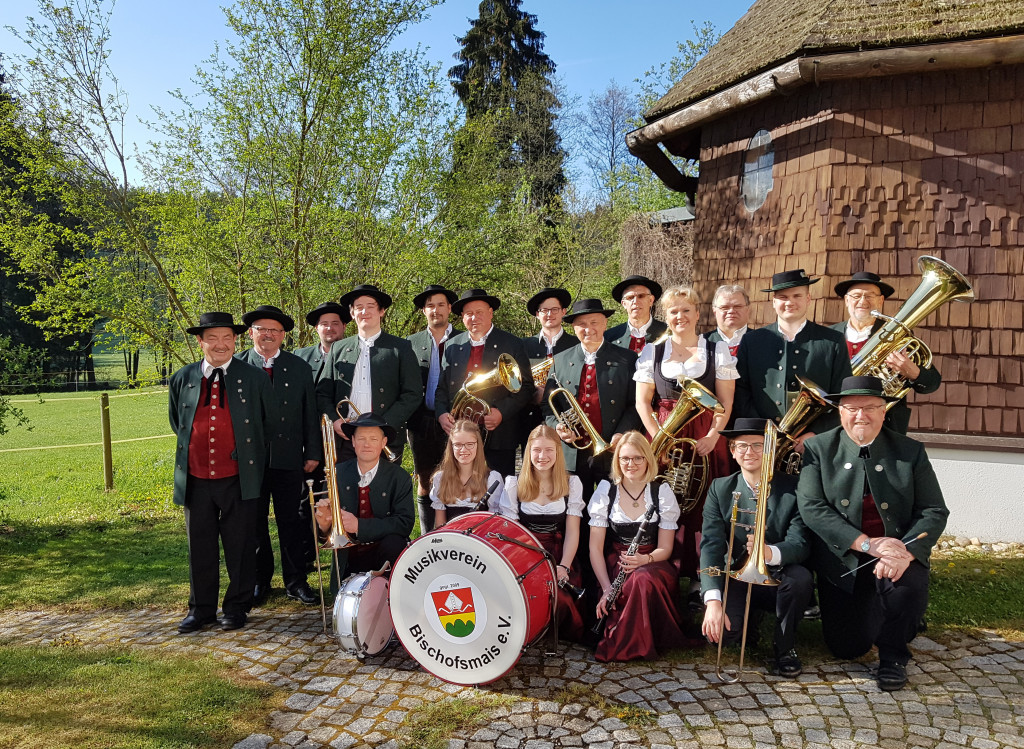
point(963, 691)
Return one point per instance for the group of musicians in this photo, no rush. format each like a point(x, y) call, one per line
point(864, 514)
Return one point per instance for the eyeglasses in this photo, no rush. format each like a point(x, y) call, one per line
point(628, 459)
point(630, 298)
point(549, 310)
point(868, 410)
point(259, 330)
point(862, 297)
point(462, 447)
point(742, 448)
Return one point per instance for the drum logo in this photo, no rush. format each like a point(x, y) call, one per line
point(455, 611)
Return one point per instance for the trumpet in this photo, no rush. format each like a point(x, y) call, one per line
point(388, 452)
point(573, 419)
point(468, 404)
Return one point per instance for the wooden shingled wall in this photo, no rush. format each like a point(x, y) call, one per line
point(869, 175)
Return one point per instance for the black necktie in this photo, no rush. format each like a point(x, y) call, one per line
point(865, 452)
point(216, 374)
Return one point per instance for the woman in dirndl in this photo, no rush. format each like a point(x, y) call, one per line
point(548, 501)
point(643, 620)
point(463, 477)
point(685, 354)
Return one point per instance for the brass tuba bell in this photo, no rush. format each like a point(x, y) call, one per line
point(469, 405)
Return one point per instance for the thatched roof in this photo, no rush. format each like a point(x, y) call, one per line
point(774, 31)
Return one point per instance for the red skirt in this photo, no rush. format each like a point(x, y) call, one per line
point(645, 620)
point(570, 620)
point(686, 550)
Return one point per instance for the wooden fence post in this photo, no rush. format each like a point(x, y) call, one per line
point(108, 461)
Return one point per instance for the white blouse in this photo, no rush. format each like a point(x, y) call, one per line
point(511, 508)
point(493, 502)
point(667, 513)
point(725, 363)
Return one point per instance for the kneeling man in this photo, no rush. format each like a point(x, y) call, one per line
point(786, 548)
point(870, 497)
point(375, 498)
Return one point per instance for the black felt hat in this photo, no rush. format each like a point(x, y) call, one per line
point(420, 300)
point(860, 385)
point(366, 289)
point(745, 426)
point(533, 303)
point(587, 307)
point(209, 320)
point(369, 420)
point(864, 276)
point(620, 288)
point(789, 279)
point(474, 295)
point(269, 312)
point(313, 316)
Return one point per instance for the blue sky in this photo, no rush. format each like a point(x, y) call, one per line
point(156, 44)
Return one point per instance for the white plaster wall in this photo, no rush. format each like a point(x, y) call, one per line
point(984, 492)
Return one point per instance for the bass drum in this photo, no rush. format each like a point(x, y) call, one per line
point(361, 621)
point(468, 598)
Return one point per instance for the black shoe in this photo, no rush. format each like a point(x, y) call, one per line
point(193, 623)
point(259, 595)
point(302, 592)
point(812, 613)
point(229, 622)
point(892, 676)
point(788, 665)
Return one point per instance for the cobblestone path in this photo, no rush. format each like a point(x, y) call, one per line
point(963, 692)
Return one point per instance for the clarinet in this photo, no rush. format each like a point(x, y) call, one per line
point(620, 579)
point(482, 504)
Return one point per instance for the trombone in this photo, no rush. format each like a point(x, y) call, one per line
point(388, 452)
point(574, 420)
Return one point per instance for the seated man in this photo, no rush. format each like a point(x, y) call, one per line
point(786, 547)
point(872, 502)
point(375, 498)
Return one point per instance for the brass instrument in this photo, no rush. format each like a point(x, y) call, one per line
point(940, 283)
point(755, 570)
point(685, 471)
point(469, 405)
point(541, 370)
point(388, 452)
point(809, 404)
point(573, 419)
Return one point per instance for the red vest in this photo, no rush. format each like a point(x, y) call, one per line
point(870, 521)
point(636, 345)
point(588, 396)
point(854, 348)
point(364, 502)
point(476, 359)
point(212, 440)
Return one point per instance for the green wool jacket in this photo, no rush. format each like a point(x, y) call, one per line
point(615, 386)
point(927, 381)
point(295, 433)
point(619, 335)
point(314, 357)
point(768, 365)
point(394, 377)
point(831, 490)
point(784, 528)
point(251, 405)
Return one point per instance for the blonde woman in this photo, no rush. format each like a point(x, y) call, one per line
point(548, 501)
point(645, 619)
point(686, 354)
point(461, 481)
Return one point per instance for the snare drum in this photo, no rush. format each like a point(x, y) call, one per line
point(468, 598)
point(361, 621)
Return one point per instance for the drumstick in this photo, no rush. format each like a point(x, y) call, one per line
point(918, 537)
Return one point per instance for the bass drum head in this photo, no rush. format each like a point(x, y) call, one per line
point(458, 608)
point(361, 621)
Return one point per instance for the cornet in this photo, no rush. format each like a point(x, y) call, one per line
point(574, 420)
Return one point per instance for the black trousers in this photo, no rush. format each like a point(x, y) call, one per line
point(877, 612)
point(427, 442)
point(787, 601)
point(501, 460)
point(294, 527)
point(216, 514)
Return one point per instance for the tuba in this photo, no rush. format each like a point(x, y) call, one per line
point(685, 471)
point(810, 403)
point(574, 420)
point(468, 404)
point(940, 283)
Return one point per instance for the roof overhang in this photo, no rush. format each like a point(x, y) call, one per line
point(679, 131)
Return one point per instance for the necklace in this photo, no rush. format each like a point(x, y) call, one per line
point(636, 499)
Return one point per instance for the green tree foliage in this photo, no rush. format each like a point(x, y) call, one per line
point(504, 73)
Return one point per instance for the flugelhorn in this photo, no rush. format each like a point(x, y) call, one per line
point(468, 404)
point(583, 435)
point(940, 283)
point(685, 471)
point(388, 452)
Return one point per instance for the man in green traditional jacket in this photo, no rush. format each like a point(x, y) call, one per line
point(871, 498)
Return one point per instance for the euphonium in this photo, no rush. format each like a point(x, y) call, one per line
point(685, 471)
point(388, 452)
point(469, 405)
point(574, 420)
point(809, 404)
point(940, 283)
